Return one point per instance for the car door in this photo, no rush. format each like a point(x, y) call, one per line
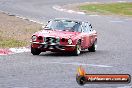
point(88, 35)
point(85, 37)
point(92, 34)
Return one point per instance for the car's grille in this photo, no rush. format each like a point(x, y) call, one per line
point(51, 40)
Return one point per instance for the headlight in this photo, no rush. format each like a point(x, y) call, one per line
point(34, 38)
point(69, 41)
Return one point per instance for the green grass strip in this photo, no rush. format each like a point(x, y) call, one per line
point(112, 8)
point(8, 43)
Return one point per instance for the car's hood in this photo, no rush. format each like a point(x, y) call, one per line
point(56, 33)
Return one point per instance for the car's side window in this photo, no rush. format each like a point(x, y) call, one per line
point(86, 28)
point(77, 27)
point(80, 28)
point(89, 27)
point(83, 27)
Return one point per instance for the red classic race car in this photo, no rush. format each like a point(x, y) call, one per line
point(64, 35)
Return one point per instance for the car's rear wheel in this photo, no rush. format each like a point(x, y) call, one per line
point(77, 50)
point(93, 47)
point(35, 51)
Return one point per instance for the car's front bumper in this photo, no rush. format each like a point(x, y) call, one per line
point(52, 47)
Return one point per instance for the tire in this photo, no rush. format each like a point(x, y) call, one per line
point(77, 50)
point(93, 47)
point(35, 51)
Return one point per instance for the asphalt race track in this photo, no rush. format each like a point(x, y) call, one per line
point(58, 70)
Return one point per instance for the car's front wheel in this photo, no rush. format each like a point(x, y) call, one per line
point(77, 50)
point(35, 51)
point(93, 47)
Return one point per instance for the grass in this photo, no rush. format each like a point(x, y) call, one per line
point(15, 32)
point(8, 43)
point(111, 8)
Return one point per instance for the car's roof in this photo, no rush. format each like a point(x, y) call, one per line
point(69, 19)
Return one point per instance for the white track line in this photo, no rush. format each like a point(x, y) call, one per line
point(76, 63)
point(24, 18)
point(19, 50)
point(125, 87)
point(59, 8)
point(94, 15)
point(116, 21)
point(21, 87)
point(121, 1)
point(21, 17)
point(10, 51)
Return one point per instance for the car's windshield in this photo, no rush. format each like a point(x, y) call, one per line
point(63, 25)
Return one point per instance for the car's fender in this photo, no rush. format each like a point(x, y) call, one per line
point(76, 39)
